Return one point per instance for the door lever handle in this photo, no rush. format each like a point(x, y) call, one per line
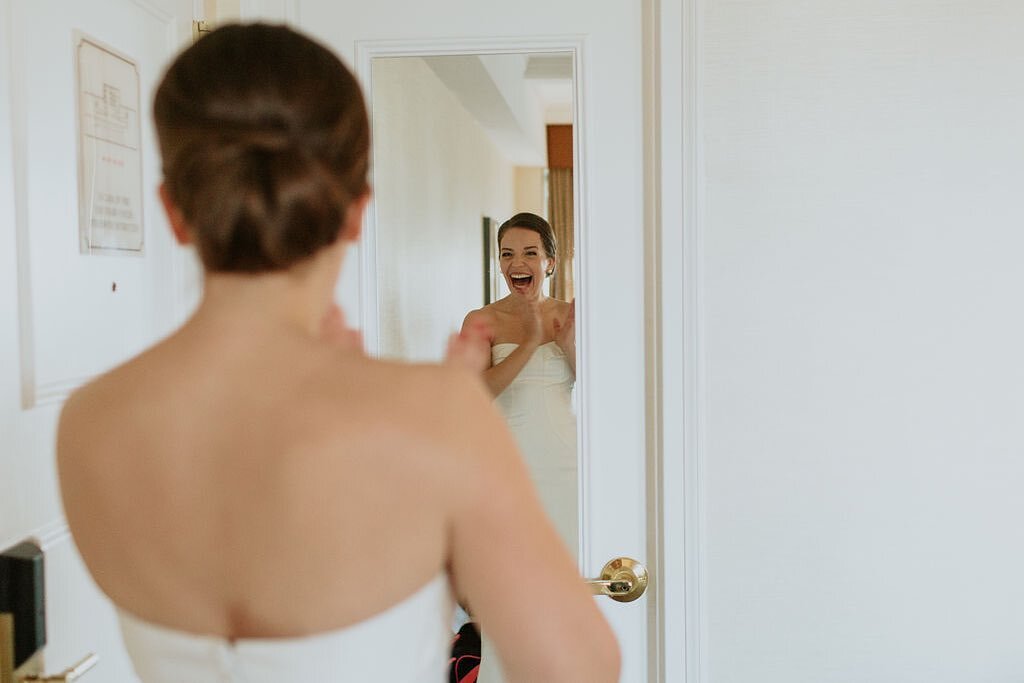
point(622, 579)
point(68, 675)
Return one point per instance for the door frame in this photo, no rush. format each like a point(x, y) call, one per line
point(674, 213)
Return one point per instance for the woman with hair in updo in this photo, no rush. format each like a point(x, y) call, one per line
point(260, 500)
point(531, 373)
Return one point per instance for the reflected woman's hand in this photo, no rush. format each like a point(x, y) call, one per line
point(565, 334)
point(527, 310)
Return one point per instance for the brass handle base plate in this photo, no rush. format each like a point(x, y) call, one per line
point(628, 571)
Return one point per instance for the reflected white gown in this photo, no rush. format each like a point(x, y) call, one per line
point(538, 407)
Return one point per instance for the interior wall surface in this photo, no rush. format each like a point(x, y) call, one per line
point(862, 238)
point(61, 325)
point(530, 190)
point(443, 176)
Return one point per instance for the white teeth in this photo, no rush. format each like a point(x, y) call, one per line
point(520, 277)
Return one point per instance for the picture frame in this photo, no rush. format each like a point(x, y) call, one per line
point(492, 290)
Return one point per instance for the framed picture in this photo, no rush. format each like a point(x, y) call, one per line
point(493, 282)
point(109, 150)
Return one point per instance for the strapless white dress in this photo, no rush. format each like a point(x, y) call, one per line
point(538, 407)
point(409, 641)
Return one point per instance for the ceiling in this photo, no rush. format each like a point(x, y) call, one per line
point(512, 97)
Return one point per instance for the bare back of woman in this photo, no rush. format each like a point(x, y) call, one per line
point(255, 477)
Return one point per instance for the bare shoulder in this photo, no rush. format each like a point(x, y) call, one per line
point(485, 315)
point(448, 412)
point(89, 410)
point(561, 307)
point(451, 401)
point(101, 424)
point(75, 416)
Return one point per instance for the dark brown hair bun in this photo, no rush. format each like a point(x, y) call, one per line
point(265, 144)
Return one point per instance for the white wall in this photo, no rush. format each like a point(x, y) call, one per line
point(28, 496)
point(74, 324)
point(436, 176)
point(530, 190)
point(864, 385)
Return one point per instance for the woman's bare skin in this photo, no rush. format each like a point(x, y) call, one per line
point(256, 475)
point(526, 317)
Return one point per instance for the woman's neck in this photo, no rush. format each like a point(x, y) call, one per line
point(297, 298)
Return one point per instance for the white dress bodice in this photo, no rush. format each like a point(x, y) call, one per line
point(538, 408)
point(409, 641)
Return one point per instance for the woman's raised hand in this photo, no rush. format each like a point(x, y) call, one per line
point(565, 331)
point(333, 329)
point(527, 310)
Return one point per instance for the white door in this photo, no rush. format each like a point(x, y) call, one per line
point(66, 315)
point(610, 252)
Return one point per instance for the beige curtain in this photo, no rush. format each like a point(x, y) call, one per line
point(560, 215)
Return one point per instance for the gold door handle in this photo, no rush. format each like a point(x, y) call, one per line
point(68, 675)
point(622, 579)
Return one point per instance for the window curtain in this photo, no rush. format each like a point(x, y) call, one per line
point(560, 215)
point(560, 208)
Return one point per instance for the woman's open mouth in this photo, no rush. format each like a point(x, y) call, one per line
point(520, 281)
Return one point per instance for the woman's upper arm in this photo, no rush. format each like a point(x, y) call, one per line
point(479, 316)
point(512, 568)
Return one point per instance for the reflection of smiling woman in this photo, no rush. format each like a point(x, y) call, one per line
point(526, 317)
point(532, 372)
point(533, 364)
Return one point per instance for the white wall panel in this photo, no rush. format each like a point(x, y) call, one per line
point(59, 320)
point(80, 314)
point(864, 167)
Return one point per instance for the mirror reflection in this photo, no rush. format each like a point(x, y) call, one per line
point(474, 209)
point(473, 186)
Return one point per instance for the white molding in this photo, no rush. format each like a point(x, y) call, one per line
point(52, 534)
point(47, 536)
point(432, 47)
point(691, 336)
point(369, 298)
point(56, 392)
point(157, 11)
point(19, 153)
point(254, 10)
point(581, 210)
point(652, 93)
point(674, 175)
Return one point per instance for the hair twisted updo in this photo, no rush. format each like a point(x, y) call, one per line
point(265, 144)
